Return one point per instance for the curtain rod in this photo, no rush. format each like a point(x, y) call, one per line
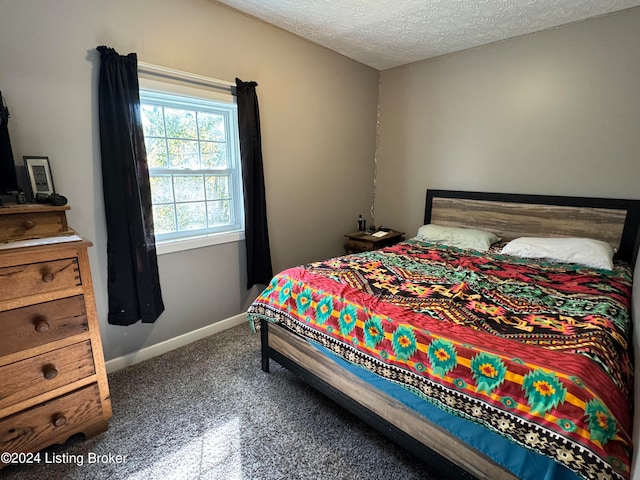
point(186, 76)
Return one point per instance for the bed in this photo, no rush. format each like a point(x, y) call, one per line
point(484, 364)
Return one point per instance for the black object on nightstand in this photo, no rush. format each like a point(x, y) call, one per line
point(367, 241)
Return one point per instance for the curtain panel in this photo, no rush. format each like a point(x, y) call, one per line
point(133, 282)
point(259, 269)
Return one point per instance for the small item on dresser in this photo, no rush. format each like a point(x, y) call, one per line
point(53, 199)
point(12, 196)
point(362, 224)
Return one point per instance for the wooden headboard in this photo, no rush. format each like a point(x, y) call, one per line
point(509, 216)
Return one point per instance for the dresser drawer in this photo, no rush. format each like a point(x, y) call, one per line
point(36, 375)
point(52, 422)
point(35, 325)
point(36, 278)
point(358, 246)
point(31, 224)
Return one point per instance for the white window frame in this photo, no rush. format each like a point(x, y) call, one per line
point(174, 94)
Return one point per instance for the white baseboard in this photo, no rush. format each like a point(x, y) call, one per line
point(173, 343)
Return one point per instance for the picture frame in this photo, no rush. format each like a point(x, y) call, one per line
point(39, 175)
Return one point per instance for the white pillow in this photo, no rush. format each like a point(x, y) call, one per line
point(457, 237)
point(583, 251)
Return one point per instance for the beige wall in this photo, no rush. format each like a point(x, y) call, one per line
point(318, 114)
point(555, 112)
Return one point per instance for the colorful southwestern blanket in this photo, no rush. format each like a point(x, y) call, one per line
point(538, 352)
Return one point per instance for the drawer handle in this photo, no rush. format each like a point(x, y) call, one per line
point(59, 420)
point(48, 277)
point(49, 372)
point(42, 326)
point(28, 224)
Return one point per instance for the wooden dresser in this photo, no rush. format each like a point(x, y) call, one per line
point(53, 382)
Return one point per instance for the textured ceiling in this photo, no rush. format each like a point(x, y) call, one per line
point(388, 33)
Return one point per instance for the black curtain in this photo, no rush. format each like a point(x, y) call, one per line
point(133, 282)
point(8, 179)
point(259, 270)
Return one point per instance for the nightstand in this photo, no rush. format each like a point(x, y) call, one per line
point(367, 241)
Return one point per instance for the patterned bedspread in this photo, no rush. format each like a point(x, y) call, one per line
point(537, 352)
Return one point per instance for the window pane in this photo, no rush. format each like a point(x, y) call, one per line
point(211, 126)
point(217, 187)
point(214, 154)
point(219, 213)
point(183, 154)
point(164, 219)
point(180, 123)
point(191, 216)
point(194, 173)
point(152, 120)
point(188, 187)
point(156, 152)
point(161, 190)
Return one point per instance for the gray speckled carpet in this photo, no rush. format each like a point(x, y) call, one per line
point(207, 411)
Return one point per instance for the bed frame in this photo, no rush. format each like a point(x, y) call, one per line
point(509, 216)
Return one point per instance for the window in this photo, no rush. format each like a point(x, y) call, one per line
point(193, 155)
